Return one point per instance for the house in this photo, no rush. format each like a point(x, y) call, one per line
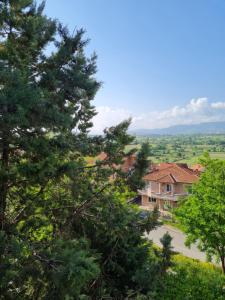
point(127, 165)
point(165, 184)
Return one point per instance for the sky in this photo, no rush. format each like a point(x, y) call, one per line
point(162, 62)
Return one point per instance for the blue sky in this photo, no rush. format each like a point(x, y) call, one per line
point(161, 61)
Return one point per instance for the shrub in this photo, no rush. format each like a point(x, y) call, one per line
point(190, 279)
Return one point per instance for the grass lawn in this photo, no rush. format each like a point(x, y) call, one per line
point(173, 224)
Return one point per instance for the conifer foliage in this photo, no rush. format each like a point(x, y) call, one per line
point(66, 230)
point(141, 167)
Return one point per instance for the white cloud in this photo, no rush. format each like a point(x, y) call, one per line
point(107, 117)
point(218, 105)
point(196, 111)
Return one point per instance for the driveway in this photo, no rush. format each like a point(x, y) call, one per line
point(177, 241)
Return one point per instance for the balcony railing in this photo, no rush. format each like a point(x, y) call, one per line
point(163, 195)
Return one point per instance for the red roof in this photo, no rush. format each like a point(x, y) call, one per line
point(102, 156)
point(172, 173)
point(198, 167)
point(128, 163)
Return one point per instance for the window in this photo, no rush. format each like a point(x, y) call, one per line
point(168, 188)
point(152, 200)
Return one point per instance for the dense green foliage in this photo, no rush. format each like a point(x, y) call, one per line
point(141, 167)
point(192, 280)
point(203, 213)
point(67, 231)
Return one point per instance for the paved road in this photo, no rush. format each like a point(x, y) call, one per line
point(177, 241)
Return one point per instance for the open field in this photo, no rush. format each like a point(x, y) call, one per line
point(219, 155)
point(183, 148)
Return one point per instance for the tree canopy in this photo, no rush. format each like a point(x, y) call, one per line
point(203, 213)
point(141, 167)
point(66, 229)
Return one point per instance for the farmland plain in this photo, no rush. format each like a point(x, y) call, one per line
point(182, 148)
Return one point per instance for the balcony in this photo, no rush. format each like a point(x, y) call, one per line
point(163, 195)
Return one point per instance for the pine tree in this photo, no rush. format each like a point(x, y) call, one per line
point(67, 231)
point(166, 251)
point(135, 180)
point(43, 98)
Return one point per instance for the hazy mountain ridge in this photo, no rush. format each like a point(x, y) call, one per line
point(202, 128)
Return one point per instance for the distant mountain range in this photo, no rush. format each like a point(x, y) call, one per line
point(202, 128)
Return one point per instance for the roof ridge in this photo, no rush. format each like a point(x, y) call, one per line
point(171, 164)
point(163, 176)
point(187, 170)
point(173, 177)
point(173, 173)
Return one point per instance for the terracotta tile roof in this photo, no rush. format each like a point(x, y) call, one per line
point(167, 179)
point(172, 173)
point(128, 163)
point(198, 168)
point(102, 156)
point(162, 166)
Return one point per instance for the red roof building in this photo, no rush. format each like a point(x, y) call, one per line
point(172, 173)
point(165, 184)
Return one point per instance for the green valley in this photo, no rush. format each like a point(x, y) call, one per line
point(182, 148)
